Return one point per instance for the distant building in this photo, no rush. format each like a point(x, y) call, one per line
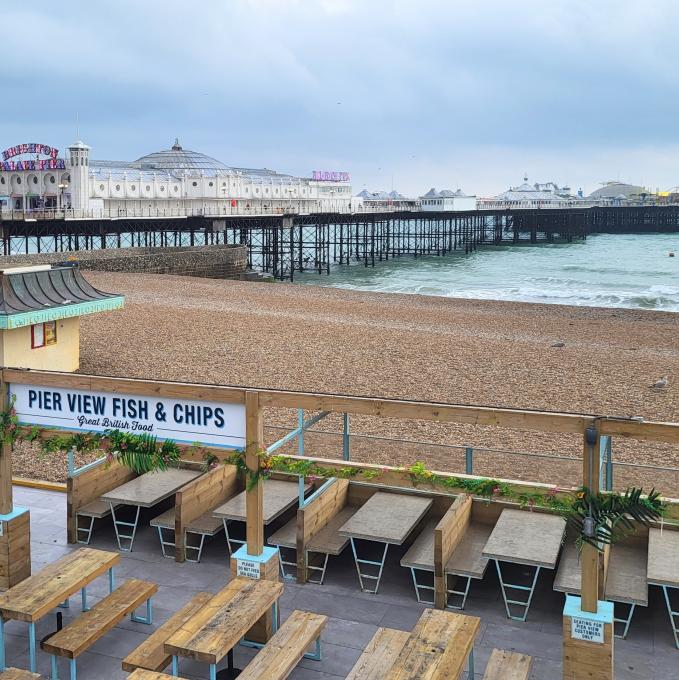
point(446, 200)
point(619, 193)
point(538, 195)
point(376, 201)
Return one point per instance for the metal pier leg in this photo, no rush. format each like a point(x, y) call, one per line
point(2, 644)
point(470, 662)
point(419, 586)
point(517, 603)
point(672, 614)
point(321, 569)
point(31, 648)
point(116, 523)
point(85, 530)
point(111, 580)
point(626, 621)
point(462, 593)
point(361, 575)
point(164, 543)
point(149, 614)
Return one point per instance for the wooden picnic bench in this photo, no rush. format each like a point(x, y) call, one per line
point(145, 492)
point(386, 518)
point(380, 654)
point(438, 648)
point(663, 569)
point(532, 539)
point(314, 534)
point(504, 665)
point(150, 654)
point(79, 635)
point(53, 585)
point(212, 632)
point(626, 582)
point(287, 647)
point(18, 674)
point(279, 496)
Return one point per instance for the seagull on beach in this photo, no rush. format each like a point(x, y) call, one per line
point(661, 384)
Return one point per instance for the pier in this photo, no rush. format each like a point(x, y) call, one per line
point(284, 245)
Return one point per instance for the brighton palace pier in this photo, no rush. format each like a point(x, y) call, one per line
point(175, 181)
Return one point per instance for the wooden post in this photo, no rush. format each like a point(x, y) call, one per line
point(5, 460)
point(589, 586)
point(254, 504)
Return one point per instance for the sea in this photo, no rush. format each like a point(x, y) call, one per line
point(626, 270)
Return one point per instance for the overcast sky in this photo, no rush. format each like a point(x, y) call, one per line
point(456, 93)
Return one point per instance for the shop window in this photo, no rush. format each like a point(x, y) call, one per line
point(43, 334)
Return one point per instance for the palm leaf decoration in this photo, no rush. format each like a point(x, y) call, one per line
point(142, 453)
point(605, 519)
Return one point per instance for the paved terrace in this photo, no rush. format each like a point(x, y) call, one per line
point(647, 654)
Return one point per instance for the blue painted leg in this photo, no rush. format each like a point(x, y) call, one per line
point(274, 623)
point(175, 666)
point(316, 656)
point(213, 671)
point(149, 614)
point(83, 597)
point(470, 661)
point(2, 644)
point(73, 670)
point(111, 580)
point(65, 604)
point(31, 647)
point(55, 670)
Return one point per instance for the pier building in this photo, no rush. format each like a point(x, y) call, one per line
point(446, 200)
point(175, 181)
point(531, 196)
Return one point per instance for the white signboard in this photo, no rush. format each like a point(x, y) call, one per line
point(248, 569)
point(182, 420)
point(585, 629)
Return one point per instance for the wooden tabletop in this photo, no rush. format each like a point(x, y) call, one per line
point(524, 537)
point(386, 517)
point(151, 488)
point(438, 647)
point(224, 620)
point(279, 495)
point(31, 599)
point(663, 557)
point(627, 580)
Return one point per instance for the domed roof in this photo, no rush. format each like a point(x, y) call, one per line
point(617, 189)
point(178, 158)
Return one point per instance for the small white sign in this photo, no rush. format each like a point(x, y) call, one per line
point(590, 631)
point(248, 569)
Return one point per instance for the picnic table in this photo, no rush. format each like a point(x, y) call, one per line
point(386, 518)
point(663, 569)
point(279, 496)
point(532, 539)
point(52, 586)
point(212, 632)
point(438, 647)
point(145, 491)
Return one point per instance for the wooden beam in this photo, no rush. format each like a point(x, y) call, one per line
point(6, 504)
point(589, 561)
point(254, 503)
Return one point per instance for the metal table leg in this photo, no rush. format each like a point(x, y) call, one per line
point(625, 621)
point(285, 563)
point(117, 522)
point(175, 665)
point(149, 614)
point(361, 575)
point(321, 569)
point(86, 530)
point(421, 586)
point(525, 604)
point(197, 548)
point(31, 648)
point(230, 540)
point(111, 580)
point(672, 614)
point(470, 663)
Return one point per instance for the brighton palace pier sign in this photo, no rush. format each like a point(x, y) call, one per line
point(182, 420)
point(49, 163)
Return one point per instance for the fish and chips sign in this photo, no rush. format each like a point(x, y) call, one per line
point(182, 420)
point(49, 163)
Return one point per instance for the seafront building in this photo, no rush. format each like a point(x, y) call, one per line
point(175, 181)
point(446, 199)
point(376, 201)
point(545, 195)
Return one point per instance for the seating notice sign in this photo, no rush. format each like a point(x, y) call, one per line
point(248, 569)
point(183, 420)
point(585, 629)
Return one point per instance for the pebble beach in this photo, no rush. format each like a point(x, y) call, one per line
point(320, 339)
